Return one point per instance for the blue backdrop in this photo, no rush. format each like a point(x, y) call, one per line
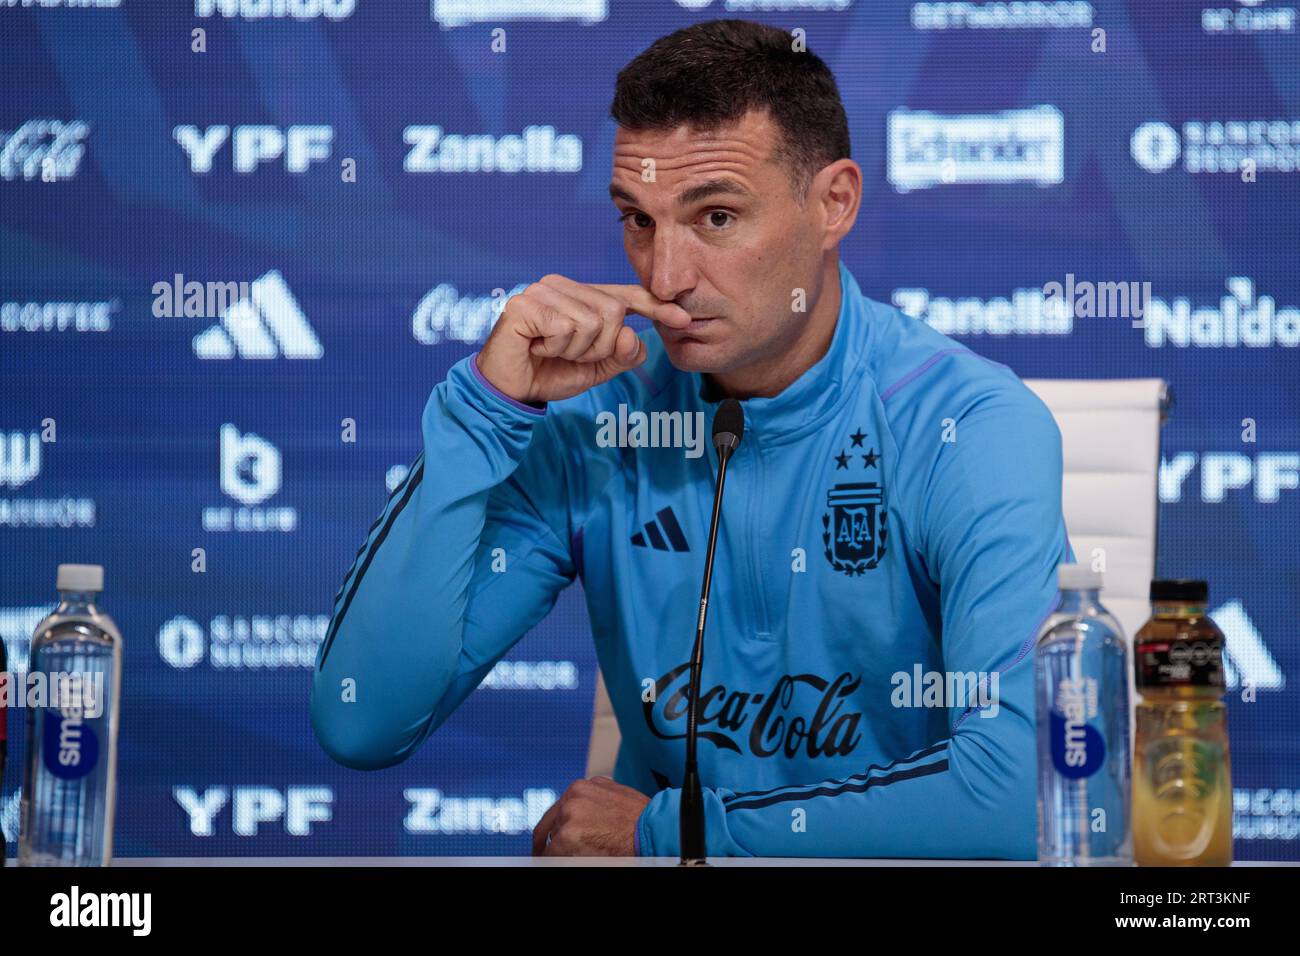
point(381, 172)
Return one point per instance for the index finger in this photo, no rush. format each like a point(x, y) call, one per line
point(643, 302)
point(543, 828)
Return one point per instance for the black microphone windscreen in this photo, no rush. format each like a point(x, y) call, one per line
point(729, 423)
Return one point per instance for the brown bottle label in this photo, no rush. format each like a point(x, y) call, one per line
point(1190, 660)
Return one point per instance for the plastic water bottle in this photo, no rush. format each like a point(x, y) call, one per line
point(1182, 793)
point(70, 786)
point(1081, 668)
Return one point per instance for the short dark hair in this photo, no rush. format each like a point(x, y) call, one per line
point(711, 74)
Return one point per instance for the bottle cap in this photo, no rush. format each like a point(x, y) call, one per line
point(1182, 589)
point(81, 577)
point(1077, 577)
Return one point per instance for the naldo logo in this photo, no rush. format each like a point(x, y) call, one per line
point(1155, 146)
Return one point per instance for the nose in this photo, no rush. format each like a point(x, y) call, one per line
point(672, 272)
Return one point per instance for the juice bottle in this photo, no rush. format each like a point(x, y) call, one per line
point(1182, 780)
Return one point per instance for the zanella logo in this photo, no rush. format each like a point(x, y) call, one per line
point(802, 712)
point(539, 149)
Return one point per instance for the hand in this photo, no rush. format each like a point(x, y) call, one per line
point(558, 337)
point(595, 817)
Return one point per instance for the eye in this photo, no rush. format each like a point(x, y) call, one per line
point(718, 219)
point(635, 221)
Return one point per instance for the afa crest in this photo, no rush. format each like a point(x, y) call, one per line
point(853, 528)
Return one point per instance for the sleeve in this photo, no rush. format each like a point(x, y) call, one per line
point(469, 553)
point(992, 533)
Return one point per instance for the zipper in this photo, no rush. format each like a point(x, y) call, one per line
point(756, 562)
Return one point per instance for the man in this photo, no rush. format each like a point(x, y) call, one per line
point(889, 535)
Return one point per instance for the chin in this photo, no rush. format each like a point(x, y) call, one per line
point(692, 355)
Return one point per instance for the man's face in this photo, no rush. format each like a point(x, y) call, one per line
point(713, 224)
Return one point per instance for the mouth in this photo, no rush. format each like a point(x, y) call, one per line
point(701, 328)
point(698, 323)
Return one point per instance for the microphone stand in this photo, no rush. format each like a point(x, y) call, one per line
point(691, 818)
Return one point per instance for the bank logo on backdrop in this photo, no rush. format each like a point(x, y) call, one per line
point(1219, 146)
point(1015, 146)
point(267, 324)
point(237, 641)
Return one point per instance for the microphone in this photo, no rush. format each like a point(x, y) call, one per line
point(728, 429)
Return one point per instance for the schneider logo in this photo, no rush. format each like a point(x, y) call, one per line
point(926, 149)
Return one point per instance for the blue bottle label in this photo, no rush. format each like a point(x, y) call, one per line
point(71, 745)
point(1078, 748)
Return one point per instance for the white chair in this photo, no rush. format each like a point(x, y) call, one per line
point(1110, 435)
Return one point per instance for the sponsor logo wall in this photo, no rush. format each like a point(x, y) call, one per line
point(241, 240)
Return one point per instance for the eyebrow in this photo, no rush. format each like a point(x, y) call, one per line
point(690, 196)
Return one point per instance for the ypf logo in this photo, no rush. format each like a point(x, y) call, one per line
point(250, 466)
point(1155, 146)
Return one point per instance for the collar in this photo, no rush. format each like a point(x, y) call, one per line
point(819, 392)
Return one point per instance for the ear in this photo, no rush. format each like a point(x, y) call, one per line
point(837, 189)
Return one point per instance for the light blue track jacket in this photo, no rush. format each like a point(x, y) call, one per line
point(890, 533)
